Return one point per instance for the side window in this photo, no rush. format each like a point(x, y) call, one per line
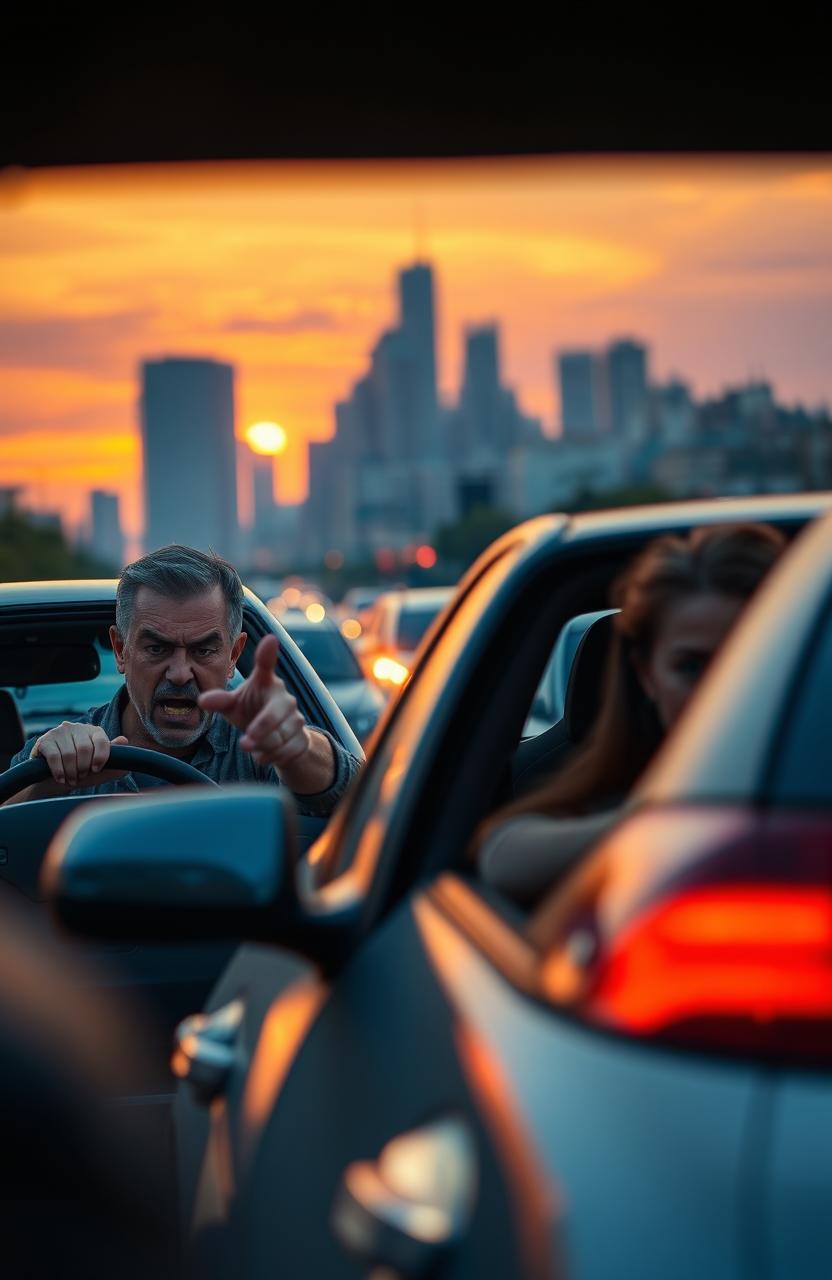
point(804, 770)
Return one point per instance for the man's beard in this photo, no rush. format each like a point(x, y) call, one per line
point(172, 738)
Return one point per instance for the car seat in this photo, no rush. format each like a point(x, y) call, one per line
point(12, 735)
point(538, 759)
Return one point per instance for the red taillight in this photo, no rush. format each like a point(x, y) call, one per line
point(731, 950)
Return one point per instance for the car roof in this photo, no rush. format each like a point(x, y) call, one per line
point(418, 595)
point(630, 523)
point(794, 508)
point(76, 591)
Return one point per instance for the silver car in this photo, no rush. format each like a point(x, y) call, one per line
point(414, 1075)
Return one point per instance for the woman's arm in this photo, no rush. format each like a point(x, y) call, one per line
point(526, 855)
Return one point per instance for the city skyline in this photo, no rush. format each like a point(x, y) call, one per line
point(723, 268)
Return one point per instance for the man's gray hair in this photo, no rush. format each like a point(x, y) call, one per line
point(179, 572)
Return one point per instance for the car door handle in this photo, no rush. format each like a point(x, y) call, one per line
point(205, 1049)
point(412, 1204)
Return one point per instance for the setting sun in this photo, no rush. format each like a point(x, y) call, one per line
point(266, 437)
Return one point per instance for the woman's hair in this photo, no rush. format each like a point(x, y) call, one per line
point(724, 559)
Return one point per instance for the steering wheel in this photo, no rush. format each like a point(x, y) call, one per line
point(155, 763)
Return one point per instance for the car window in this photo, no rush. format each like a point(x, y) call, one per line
point(414, 621)
point(804, 772)
point(331, 657)
point(44, 705)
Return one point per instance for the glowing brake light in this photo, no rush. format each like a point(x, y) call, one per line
point(389, 671)
point(726, 946)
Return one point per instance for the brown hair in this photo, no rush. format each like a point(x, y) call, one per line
point(728, 559)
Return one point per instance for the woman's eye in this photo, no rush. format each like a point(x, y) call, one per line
point(691, 667)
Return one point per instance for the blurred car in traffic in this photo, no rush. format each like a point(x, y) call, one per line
point(394, 629)
point(357, 602)
point(632, 1080)
point(321, 641)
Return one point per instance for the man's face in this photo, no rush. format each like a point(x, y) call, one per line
point(175, 650)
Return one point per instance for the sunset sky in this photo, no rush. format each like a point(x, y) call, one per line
point(287, 270)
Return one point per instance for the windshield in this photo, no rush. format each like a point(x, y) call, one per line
point(414, 621)
point(331, 657)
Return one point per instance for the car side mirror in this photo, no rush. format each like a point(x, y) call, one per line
point(181, 866)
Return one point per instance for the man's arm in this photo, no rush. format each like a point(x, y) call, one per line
point(314, 771)
point(272, 728)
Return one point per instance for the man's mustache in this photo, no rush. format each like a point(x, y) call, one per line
point(168, 690)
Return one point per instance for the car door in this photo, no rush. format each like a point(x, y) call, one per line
point(798, 1150)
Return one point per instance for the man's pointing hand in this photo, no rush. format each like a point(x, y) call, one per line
point(262, 708)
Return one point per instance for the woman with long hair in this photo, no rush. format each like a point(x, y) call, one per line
point(678, 600)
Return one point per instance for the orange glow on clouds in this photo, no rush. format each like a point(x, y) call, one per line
point(287, 270)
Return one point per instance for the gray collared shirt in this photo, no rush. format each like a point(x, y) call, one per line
point(218, 755)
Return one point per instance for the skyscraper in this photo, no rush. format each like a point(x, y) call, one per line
point(578, 379)
point(393, 376)
point(262, 469)
point(481, 401)
point(419, 328)
point(626, 363)
point(106, 536)
point(190, 466)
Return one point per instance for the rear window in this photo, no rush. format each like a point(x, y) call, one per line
point(804, 771)
point(331, 657)
point(414, 621)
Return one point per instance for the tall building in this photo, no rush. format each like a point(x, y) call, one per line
point(579, 378)
point(393, 374)
point(481, 402)
point(262, 474)
point(417, 323)
point(626, 366)
point(190, 465)
point(106, 537)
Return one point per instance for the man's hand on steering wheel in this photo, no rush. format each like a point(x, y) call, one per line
point(76, 755)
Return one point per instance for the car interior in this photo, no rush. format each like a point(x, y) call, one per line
point(61, 657)
point(494, 763)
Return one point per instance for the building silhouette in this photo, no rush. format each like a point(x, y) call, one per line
point(190, 464)
point(481, 403)
point(604, 391)
point(418, 326)
point(106, 537)
point(400, 463)
point(262, 483)
point(627, 382)
point(580, 377)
